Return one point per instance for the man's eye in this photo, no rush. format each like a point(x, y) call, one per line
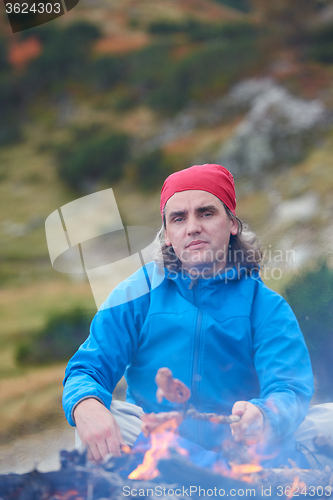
point(178, 219)
point(207, 214)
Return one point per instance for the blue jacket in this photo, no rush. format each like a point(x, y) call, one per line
point(228, 338)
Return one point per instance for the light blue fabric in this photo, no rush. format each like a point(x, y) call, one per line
point(228, 338)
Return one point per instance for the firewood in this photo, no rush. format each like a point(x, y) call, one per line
point(170, 388)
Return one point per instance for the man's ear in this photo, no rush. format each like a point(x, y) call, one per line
point(166, 238)
point(233, 226)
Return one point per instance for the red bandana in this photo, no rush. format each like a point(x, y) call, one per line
point(209, 177)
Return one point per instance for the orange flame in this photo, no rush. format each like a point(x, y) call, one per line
point(294, 487)
point(162, 438)
point(68, 495)
point(125, 448)
point(238, 471)
point(242, 471)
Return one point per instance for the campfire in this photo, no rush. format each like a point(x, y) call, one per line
point(160, 464)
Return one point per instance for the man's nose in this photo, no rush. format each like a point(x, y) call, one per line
point(193, 225)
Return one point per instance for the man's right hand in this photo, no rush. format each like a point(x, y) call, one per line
point(97, 429)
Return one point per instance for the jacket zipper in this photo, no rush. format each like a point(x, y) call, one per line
point(196, 353)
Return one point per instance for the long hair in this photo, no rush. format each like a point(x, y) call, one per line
point(244, 248)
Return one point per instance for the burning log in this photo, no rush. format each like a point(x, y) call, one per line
point(188, 474)
point(170, 388)
point(272, 483)
point(80, 480)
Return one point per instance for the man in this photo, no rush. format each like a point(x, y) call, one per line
point(235, 343)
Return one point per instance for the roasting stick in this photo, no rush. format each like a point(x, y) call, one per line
point(150, 421)
point(212, 417)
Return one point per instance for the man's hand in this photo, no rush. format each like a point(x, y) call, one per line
point(250, 427)
point(98, 429)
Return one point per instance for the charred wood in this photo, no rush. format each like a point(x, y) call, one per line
point(184, 473)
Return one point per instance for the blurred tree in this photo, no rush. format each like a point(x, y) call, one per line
point(107, 72)
point(66, 54)
point(166, 27)
point(243, 5)
point(92, 155)
point(152, 169)
point(149, 66)
point(201, 31)
point(11, 109)
point(320, 44)
point(213, 67)
point(311, 298)
point(45, 33)
point(58, 340)
point(3, 55)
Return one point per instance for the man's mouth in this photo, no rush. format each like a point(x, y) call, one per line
point(196, 244)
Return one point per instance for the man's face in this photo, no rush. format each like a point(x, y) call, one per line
point(198, 228)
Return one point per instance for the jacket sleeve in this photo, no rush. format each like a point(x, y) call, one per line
point(282, 363)
point(100, 362)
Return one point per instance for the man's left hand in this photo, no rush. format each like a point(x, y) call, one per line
point(250, 427)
